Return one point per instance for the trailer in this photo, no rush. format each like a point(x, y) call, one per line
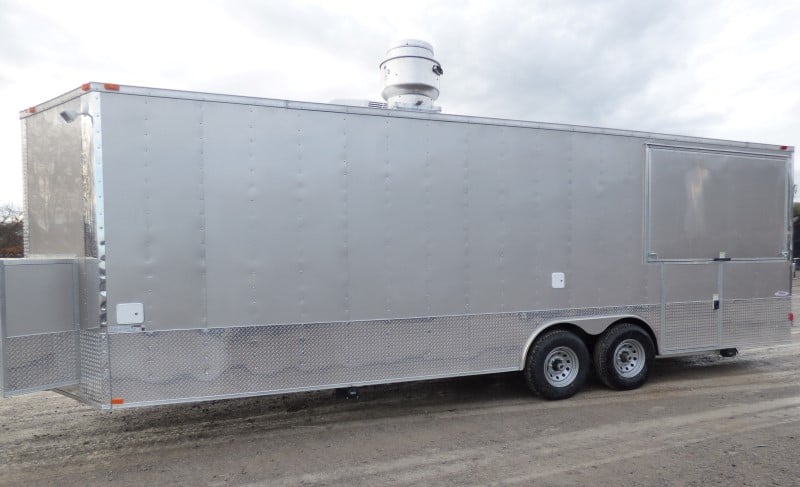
point(187, 246)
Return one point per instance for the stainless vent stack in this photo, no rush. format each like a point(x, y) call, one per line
point(411, 76)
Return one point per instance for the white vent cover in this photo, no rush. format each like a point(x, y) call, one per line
point(411, 76)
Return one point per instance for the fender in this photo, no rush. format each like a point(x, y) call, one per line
point(592, 325)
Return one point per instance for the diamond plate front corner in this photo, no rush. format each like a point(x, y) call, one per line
point(95, 380)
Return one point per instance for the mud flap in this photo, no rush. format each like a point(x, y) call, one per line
point(39, 316)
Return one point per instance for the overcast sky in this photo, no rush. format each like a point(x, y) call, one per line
point(727, 69)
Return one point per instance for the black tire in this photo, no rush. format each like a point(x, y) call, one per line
point(634, 352)
point(557, 365)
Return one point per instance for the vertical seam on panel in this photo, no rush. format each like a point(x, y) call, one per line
point(426, 191)
point(345, 219)
point(466, 208)
point(502, 198)
point(202, 218)
point(387, 238)
point(301, 222)
point(148, 223)
point(253, 260)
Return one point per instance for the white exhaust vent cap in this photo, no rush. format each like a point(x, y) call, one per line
point(411, 76)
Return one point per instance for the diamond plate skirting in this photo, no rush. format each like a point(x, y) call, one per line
point(738, 323)
point(95, 383)
point(43, 361)
point(689, 326)
point(188, 365)
point(755, 322)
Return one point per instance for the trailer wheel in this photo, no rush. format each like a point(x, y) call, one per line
point(623, 356)
point(557, 365)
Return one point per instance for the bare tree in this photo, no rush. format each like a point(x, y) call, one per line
point(10, 230)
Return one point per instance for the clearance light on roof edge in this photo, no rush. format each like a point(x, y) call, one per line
point(784, 147)
point(117, 401)
point(106, 86)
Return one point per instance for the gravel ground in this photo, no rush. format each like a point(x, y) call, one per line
point(699, 421)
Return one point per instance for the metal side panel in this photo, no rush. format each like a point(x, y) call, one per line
point(39, 322)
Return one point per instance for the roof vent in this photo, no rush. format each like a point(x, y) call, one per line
point(358, 103)
point(411, 76)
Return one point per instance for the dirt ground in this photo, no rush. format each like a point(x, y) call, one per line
point(699, 421)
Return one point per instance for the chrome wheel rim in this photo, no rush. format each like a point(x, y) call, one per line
point(629, 358)
point(561, 366)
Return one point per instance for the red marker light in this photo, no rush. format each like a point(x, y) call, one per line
point(111, 86)
point(32, 110)
point(791, 316)
point(86, 86)
point(784, 147)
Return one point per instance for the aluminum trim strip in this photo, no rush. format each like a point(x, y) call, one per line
point(98, 227)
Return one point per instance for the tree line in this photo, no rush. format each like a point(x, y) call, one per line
point(10, 231)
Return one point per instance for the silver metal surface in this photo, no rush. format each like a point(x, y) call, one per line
point(561, 366)
point(40, 296)
point(748, 280)
point(39, 341)
point(331, 208)
point(755, 322)
point(629, 358)
point(95, 374)
point(187, 365)
point(38, 362)
point(94, 216)
point(3, 355)
point(704, 204)
point(26, 241)
point(690, 326)
point(53, 184)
